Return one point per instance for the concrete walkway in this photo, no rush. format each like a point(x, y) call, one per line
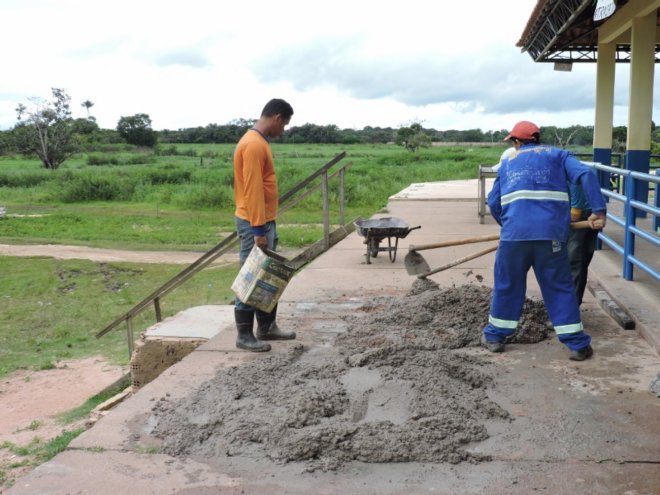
point(587, 428)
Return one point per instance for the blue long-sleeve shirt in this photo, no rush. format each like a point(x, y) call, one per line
point(530, 198)
point(578, 198)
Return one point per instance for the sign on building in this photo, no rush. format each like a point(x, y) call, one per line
point(604, 9)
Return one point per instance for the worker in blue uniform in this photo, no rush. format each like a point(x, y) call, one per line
point(530, 201)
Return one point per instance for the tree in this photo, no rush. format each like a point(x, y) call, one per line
point(473, 136)
point(619, 138)
point(563, 136)
point(137, 130)
point(47, 129)
point(413, 137)
point(88, 104)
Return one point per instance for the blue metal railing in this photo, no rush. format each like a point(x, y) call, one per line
point(619, 161)
point(656, 203)
point(628, 222)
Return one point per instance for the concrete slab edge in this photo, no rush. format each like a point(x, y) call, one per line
point(619, 313)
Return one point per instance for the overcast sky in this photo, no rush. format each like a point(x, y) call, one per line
point(353, 63)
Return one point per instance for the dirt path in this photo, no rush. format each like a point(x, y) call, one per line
point(30, 402)
point(63, 252)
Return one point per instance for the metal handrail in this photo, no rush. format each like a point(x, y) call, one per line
point(632, 209)
point(231, 240)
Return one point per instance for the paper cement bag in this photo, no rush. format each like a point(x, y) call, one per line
point(262, 279)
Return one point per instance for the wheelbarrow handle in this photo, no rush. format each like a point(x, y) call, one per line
point(458, 261)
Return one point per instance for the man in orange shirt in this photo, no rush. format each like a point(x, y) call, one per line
point(256, 197)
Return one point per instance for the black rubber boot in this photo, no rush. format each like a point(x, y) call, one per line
point(245, 338)
point(492, 345)
point(267, 328)
point(582, 354)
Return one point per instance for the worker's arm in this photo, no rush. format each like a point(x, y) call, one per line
point(591, 188)
point(586, 178)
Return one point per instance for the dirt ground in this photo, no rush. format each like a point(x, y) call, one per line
point(105, 255)
point(399, 385)
point(31, 400)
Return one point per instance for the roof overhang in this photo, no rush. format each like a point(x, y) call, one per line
point(564, 31)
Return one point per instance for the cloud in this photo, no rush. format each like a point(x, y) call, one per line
point(347, 63)
point(184, 58)
point(496, 80)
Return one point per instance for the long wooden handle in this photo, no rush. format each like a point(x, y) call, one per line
point(455, 242)
point(583, 224)
point(458, 261)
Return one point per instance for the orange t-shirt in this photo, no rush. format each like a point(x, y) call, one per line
point(255, 184)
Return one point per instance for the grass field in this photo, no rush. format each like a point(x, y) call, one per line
point(51, 309)
point(186, 202)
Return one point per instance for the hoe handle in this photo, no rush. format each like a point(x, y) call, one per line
point(458, 261)
point(457, 242)
point(483, 238)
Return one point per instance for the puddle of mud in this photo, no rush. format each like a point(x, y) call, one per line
point(393, 387)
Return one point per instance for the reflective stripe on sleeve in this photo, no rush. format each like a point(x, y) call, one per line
point(536, 195)
point(502, 323)
point(572, 328)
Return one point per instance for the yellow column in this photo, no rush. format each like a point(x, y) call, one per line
point(641, 82)
point(605, 70)
point(642, 66)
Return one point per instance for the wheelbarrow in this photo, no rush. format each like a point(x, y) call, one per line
point(376, 230)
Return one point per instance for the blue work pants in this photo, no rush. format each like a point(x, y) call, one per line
point(549, 260)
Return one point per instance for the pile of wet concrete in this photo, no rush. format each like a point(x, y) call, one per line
point(401, 384)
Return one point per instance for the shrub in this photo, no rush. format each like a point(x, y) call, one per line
point(163, 175)
point(25, 179)
point(94, 160)
point(202, 196)
point(140, 159)
point(165, 150)
point(90, 187)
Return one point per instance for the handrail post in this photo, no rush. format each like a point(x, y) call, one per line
point(342, 197)
point(656, 203)
point(482, 207)
point(129, 336)
point(159, 316)
point(629, 238)
point(326, 212)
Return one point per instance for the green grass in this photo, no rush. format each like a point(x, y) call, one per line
point(52, 309)
point(39, 451)
point(119, 226)
point(177, 203)
point(88, 406)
